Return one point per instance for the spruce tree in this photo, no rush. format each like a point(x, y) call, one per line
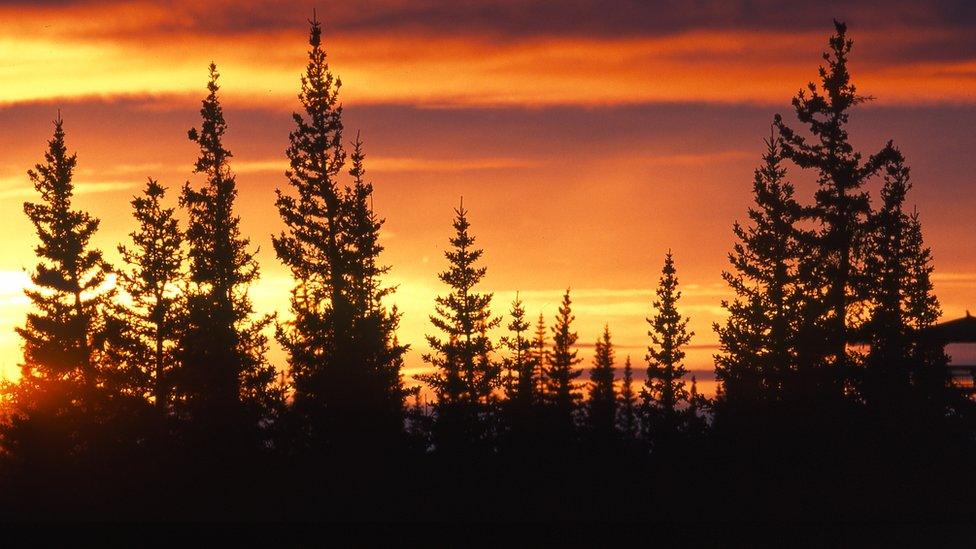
point(361, 235)
point(758, 340)
point(373, 345)
point(341, 343)
point(898, 267)
point(465, 375)
point(317, 339)
point(521, 371)
point(540, 356)
point(602, 404)
point(627, 418)
point(223, 379)
point(64, 337)
point(695, 420)
point(153, 280)
point(664, 390)
point(832, 270)
point(63, 406)
point(562, 392)
point(927, 354)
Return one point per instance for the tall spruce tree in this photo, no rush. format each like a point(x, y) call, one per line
point(343, 353)
point(465, 375)
point(602, 404)
point(758, 340)
point(562, 392)
point(832, 271)
point(318, 338)
point(922, 311)
point(627, 418)
point(153, 279)
point(664, 390)
point(381, 402)
point(898, 268)
point(223, 379)
point(64, 337)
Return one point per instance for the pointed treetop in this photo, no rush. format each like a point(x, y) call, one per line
point(841, 27)
point(315, 37)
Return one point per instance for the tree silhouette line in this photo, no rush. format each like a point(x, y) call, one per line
point(146, 392)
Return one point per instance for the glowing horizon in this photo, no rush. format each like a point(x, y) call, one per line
point(582, 155)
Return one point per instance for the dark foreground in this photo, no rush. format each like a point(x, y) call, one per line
point(847, 473)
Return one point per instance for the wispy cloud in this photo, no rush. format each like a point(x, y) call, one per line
point(142, 49)
point(644, 294)
point(11, 187)
point(695, 159)
point(381, 164)
point(953, 277)
point(83, 187)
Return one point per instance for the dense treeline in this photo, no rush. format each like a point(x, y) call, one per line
point(145, 390)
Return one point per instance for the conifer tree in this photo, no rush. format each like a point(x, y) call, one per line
point(540, 356)
point(520, 365)
point(318, 338)
point(376, 356)
point(562, 392)
point(695, 421)
point(898, 267)
point(627, 418)
point(465, 375)
point(362, 238)
point(602, 404)
point(342, 348)
point(223, 377)
point(664, 390)
point(65, 333)
point(153, 280)
point(832, 270)
point(758, 340)
point(922, 310)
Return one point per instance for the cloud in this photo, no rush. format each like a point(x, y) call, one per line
point(510, 19)
point(953, 277)
point(381, 164)
point(11, 188)
point(452, 56)
point(602, 294)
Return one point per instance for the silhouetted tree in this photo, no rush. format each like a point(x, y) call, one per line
point(520, 366)
point(562, 393)
point(153, 280)
point(627, 418)
point(898, 267)
point(465, 375)
point(374, 347)
point(318, 338)
point(832, 270)
point(758, 340)
point(341, 345)
point(540, 355)
point(664, 390)
point(602, 403)
point(224, 381)
point(64, 340)
point(697, 403)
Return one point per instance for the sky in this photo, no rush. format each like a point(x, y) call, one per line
point(586, 138)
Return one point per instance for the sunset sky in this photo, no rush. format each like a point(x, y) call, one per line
point(586, 139)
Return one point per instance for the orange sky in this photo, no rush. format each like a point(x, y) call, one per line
point(585, 146)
